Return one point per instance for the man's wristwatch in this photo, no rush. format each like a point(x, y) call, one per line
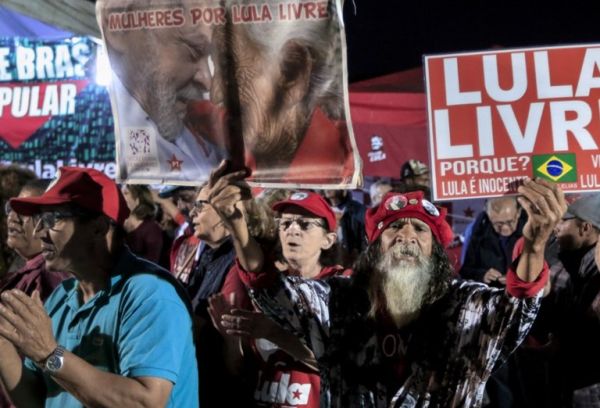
point(54, 361)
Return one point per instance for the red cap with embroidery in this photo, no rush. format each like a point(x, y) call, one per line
point(407, 205)
point(311, 202)
point(89, 189)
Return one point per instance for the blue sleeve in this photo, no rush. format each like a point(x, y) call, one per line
point(466, 241)
point(29, 365)
point(155, 329)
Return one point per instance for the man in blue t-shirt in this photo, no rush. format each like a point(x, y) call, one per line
point(119, 333)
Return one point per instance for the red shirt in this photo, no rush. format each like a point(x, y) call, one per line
point(33, 276)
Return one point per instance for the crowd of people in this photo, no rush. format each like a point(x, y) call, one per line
point(126, 296)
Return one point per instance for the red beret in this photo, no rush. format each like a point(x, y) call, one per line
point(87, 188)
point(311, 202)
point(407, 205)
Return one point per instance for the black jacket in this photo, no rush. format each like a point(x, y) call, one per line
point(485, 250)
point(580, 333)
point(354, 239)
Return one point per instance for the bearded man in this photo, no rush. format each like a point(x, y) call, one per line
point(400, 332)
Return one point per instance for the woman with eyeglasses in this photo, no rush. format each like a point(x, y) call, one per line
point(23, 241)
point(305, 225)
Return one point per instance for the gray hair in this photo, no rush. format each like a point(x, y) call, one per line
point(321, 37)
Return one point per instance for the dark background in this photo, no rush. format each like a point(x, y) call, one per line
point(385, 36)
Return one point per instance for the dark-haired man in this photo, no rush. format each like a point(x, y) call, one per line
point(118, 333)
point(578, 331)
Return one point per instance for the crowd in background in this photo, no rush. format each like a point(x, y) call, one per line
point(176, 228)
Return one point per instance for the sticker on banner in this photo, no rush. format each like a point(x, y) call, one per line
point(140, 150)
point(413, 201)
point(396, 203)
point(298, 196)
point(430, 208)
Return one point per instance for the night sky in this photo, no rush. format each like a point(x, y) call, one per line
point(385, 36)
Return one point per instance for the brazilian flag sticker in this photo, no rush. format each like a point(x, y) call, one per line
point(556, 167)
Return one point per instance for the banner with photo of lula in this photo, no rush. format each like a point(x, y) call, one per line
point(262, 83)
point(52, 112)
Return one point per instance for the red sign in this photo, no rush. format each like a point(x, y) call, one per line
point(499, 116)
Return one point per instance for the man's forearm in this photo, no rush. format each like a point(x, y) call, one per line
point(97, 388)
point(292, 345)
point(531, 262)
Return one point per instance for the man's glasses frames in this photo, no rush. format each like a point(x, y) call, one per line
point(48, 219)
point(304, 224)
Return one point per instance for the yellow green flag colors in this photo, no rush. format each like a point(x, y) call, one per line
point(556, 167)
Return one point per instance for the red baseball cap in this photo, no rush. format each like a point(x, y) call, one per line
point(311, 202)
point(87, 188)
point(407, 205)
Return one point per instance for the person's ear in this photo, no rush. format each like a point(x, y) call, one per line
point(328, 240)
point(296, 66)
point(586, 229)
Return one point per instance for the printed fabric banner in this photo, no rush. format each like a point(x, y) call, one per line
point(52, 113)
point(497, 117)
point(262, 83)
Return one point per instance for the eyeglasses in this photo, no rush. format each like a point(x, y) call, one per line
point(48, 219)
point(304, 224)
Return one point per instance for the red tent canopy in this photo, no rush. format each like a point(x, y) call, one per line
point(390, 121)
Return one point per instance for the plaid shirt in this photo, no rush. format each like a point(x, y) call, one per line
point(443, 359)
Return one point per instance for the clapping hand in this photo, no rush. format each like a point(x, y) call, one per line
point(25, 323)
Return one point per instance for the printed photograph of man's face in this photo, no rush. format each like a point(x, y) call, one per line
point(266, 92)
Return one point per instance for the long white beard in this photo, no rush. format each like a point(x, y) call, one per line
point(401, 285)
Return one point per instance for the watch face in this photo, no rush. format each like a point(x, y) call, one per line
point(54, 363)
